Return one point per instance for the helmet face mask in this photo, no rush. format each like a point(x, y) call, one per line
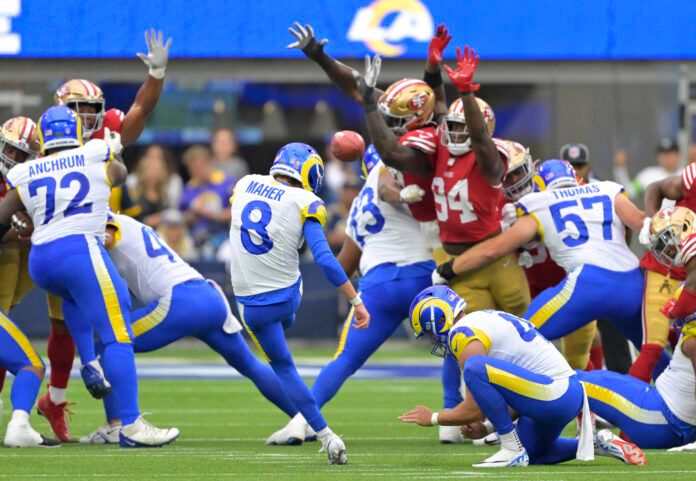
point(92, 115)
point(665, 246)
point(407, 105)
point(455, 135)
point(18, 143)
point(87, 100)
point(668, 230)
point(433, 312)
point(518, 180)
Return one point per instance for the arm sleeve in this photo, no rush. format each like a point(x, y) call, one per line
point(316, 241)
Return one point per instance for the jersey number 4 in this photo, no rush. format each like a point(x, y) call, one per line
point(457, 199)
point(75, 206)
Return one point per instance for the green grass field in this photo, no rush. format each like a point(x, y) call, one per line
point(224, 424)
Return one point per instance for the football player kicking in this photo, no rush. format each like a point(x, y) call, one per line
point(395, 264)
point(583, 227)
point(87, 99)
point(509, 366)
point(66, 195)
point(178, 303)
point(271, 217)
point(663, 415)
point(18, 143)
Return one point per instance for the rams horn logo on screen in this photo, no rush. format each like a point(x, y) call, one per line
point(409, 19)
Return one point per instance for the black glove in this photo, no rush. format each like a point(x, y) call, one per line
point(446, 271)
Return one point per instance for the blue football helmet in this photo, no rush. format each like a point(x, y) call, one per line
point(555, 174)
point(370, 159)
point(300, 162)
point(433, 311)
point(59, 126)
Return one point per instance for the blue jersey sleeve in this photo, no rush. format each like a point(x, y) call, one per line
point(316, 241)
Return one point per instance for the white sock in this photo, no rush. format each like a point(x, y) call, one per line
point(22, 417)
point(511, 441)
point(325, 433)
point(56, 394)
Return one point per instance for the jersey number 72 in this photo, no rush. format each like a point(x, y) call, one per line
point(75, 206)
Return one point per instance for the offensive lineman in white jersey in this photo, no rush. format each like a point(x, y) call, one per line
point(583, 230)
point(395, 264)
point(508, 365)
point(272, 215)
point(177, 302)
point(66, 194)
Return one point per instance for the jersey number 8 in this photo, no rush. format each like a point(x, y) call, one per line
point(258, 227)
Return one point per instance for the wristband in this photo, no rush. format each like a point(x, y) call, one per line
point(356, 301)
point(489, 427)
point(433, 419)
point(446, 270)
point(157, 73)
point(433, 79)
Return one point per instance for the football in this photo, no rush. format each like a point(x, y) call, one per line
point(347, 146)
point(22, 224)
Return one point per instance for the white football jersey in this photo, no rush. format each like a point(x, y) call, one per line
point(66, 193)
point(579, 226)
point(266, 232)
point(512, 339)
point(677, 383)
point(149, 266)
point(385, 233)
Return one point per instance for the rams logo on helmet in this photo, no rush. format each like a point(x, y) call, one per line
point(411, 19)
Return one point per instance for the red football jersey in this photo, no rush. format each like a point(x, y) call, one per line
point(113, 120)
point(648, 262)
point(424, 140)
point(467, 206)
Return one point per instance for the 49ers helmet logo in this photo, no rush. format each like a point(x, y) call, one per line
point(418, 101)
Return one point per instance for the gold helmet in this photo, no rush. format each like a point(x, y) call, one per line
point(407, 105)
point(78, 94)
point(668, 229)
point(457, 140)
point(518, 178)
point(18, 142)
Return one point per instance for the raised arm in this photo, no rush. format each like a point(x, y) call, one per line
point(387, 145)
point(340, 74)
point(487, 156)
point(149, 93)
point(433, 75)
point(116, 171)
point(521, 232)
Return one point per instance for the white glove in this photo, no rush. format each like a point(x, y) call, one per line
point(411, 194)
point(509, 213)
point(686, 448)
point(644, 236)
point(157, 53)
point(113, 140)
point(437, 279)
point(304, 35)
point(525, 259)
point(372, 68)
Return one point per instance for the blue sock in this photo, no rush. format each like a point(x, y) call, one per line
point(119, 367)
point(451, 382)
point(238, 355)
point(25, 389)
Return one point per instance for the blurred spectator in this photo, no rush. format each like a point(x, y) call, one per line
point(205, 200)
point(338, 214)
point(692, 153)
point(155, 184)
point(226, 154)
point(578, 155)
point(668, 164)
point(172, 228)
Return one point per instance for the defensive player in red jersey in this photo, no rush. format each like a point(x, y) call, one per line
point(87, 99)
point(411, 110)
point(18, 142)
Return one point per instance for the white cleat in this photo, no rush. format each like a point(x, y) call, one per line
point(0, 412)
point(22, 435)
point(451, 435)
point(610, 445)
point(107, 434)
point(691, 447)
point(293, 434)
point(335, 449)
point(490, 440)
point(142, 434)
point(505, 458)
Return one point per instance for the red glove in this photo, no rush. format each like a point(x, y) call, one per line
point(464, 75)
point(438, 44)
point(684, 306)
point(667, 308)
